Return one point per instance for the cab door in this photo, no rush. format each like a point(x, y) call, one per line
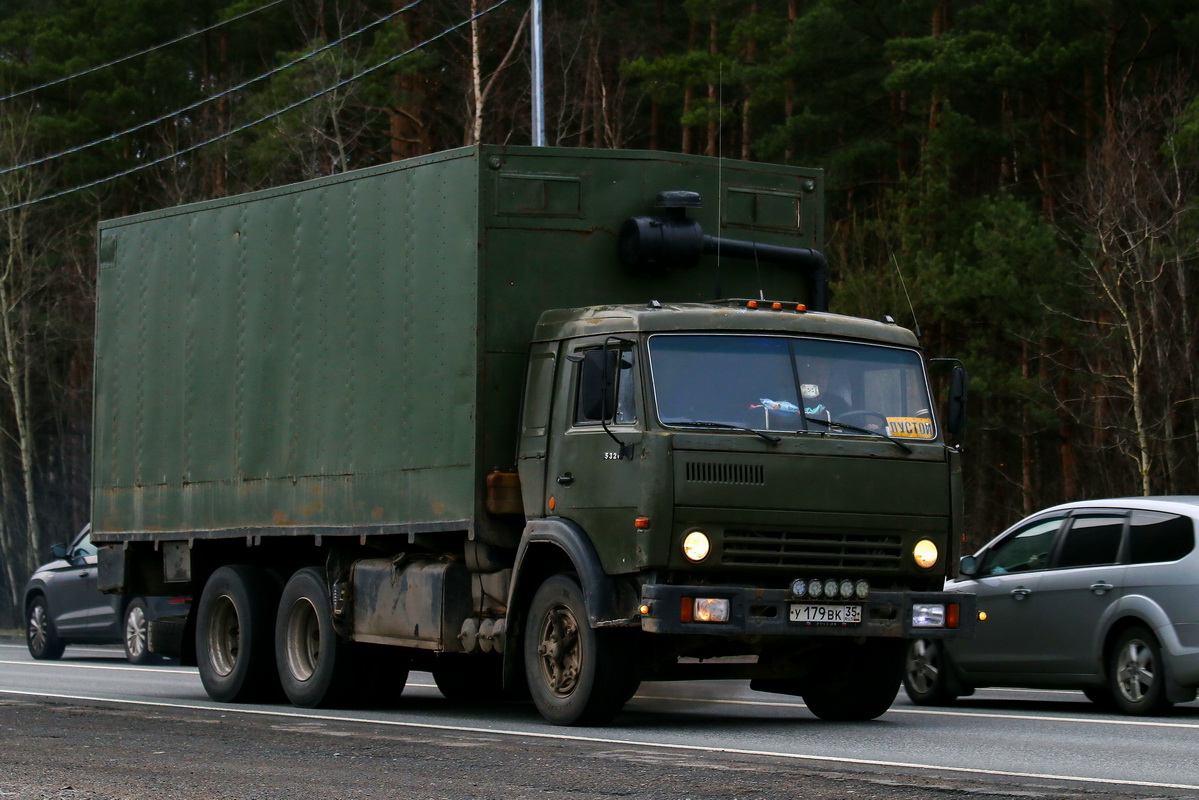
point(592, 465)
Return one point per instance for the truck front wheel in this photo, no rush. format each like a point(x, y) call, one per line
point(235, 634)
point(855, 682)
point(577, 675)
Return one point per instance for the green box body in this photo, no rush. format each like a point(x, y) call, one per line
point(347, 355)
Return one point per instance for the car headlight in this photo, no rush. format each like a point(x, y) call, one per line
point(696, 546)
point(925, 553)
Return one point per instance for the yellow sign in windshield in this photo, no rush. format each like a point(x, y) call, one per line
point(910, 427)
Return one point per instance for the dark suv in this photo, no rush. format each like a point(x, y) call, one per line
point(64, 606)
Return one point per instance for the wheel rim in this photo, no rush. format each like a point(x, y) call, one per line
point(303, 639)
point(1135, 671)
point(923, 669)
point(559, 650)
point(135, 631)
point(224, 636)
point(38, 631)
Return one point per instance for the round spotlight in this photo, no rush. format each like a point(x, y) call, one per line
point(846, 589)
point(830, 588)
point(696, 546)
point(862, 589)
point(798, 587)
point(815, 588)
point(925, 553)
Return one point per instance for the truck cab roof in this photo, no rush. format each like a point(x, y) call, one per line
point(733, 315)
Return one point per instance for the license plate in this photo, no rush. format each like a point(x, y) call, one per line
point(810, 614)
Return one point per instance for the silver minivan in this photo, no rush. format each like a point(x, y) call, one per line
point(1100, 595)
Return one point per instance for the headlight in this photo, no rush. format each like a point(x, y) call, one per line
point(928, 615)
point(925, 553)
point(711, 609)
point(696, 546)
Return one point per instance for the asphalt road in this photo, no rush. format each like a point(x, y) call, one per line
point(93, 726)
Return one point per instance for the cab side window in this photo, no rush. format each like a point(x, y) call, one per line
point(1025, 550)
point(607, 387)
point(1155, 536)
point(1093, 539)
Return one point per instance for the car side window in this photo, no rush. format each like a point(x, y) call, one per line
point(1092, 540)
point(1025, 550)
point(1156, 536)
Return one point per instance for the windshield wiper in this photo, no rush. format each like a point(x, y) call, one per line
point(867, 431)
point(683, 423)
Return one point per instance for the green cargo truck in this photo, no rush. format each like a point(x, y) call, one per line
point(478, 413)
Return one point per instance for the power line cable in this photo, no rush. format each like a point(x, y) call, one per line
point(260, 120)
point(122, 60)
point(210, 98)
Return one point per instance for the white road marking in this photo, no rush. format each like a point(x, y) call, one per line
point(574, 737)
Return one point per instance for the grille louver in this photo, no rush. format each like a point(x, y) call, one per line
point(811, 550)
point(728, 474)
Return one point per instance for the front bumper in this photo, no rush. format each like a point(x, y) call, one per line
point(766, 612)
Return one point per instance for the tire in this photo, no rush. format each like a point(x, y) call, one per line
point(135, 633)
point(577, 675)
point(469, 679)
point(1137, 674)
point(926, 674)
point(855, 682)
point(316, 665)
point(43, 642)
point(235, 642)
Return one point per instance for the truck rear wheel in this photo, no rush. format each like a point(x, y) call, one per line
point(235, 635)
point(315, 664)
point(855, 682)
point(577, 675)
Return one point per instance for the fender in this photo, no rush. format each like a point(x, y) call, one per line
point(599, 590)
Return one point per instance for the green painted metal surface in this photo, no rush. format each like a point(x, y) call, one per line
point(348, 354)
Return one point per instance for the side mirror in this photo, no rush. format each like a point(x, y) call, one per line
point(597, 384)
point(956, 409)
point(967, 567)
point(58, 551)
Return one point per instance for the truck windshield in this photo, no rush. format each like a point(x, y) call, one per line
point(782, 383)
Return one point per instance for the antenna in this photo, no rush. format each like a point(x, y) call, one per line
point(719, 168)
point(912, 308)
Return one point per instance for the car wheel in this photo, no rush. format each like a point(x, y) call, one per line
point(235, 641)
point(1137, 674)
point(43, 642)
point(926, 674)
point(137, 649)
point(577, 675)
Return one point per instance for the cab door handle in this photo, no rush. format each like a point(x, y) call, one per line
point(1020, 592)
point(566, 479)
point(1101, 587)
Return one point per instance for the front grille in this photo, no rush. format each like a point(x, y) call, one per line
point(816, 550)
point(730, 474)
